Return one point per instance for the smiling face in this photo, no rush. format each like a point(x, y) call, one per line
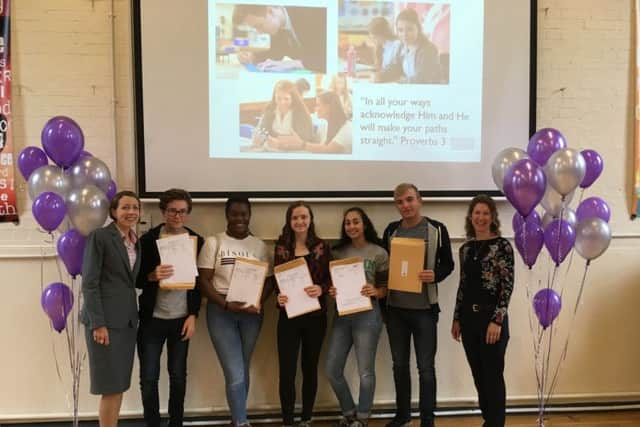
point(408, 204)
point(407, 32)
point(127, 213)
point(283, 101)
point(481, 219)
point(353, 225)
point(175, 215)
point(300, 220)
point(238, 217)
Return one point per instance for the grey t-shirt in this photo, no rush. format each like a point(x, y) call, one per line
point(376, 259)
point(409, 299)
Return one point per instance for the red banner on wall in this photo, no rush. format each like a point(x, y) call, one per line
point(8, 205)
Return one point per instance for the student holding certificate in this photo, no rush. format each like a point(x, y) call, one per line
point(361, 330)
point(305, 332)
point(165, 314)
point(416, 314)
point(233, 326)
point(480, 318)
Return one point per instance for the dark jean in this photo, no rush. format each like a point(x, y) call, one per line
point(402, 324)
point(362, 332)
point(234, 337)
point(487, 365)
point(303, 335)
point(152, 335)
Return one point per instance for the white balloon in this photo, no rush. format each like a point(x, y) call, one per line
point(552, 200)
point(87, 208)
point(565, 170)
point(90, 170)
point(568, 215)
point(503, 161)
point(593, 236)
point(48, 178)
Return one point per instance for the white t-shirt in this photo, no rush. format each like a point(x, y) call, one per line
point(220, 252)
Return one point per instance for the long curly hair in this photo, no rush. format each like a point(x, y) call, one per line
point(370, 233)
point(495, 221)
point(287, 237)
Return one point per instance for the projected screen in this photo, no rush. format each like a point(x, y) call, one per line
point(329, 98)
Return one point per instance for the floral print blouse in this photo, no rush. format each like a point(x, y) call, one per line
point(496, 275)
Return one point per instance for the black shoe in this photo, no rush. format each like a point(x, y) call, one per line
point(397, 422)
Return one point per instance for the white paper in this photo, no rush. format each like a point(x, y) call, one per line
point(292, 283)
point(179, 252)
point(348, 279)
point(246, 282)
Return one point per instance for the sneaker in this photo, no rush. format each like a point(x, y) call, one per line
point(396, 422)
point(304, 423)
point(359, 423)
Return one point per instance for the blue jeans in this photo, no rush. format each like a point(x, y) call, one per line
point(151, 337)
point(422, 325)
point(361, 331)
point(234, 337)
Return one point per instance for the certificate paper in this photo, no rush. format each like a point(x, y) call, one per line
point(247, 281)
point(292, 278)
point(406, 261)
point(348, 278)
point(180, 252)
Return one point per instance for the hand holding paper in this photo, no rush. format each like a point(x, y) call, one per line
point(349, 279)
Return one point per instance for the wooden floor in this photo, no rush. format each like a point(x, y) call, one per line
point(600, 419)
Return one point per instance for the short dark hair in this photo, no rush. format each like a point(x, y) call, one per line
point(113, 205)
point(236, 199)
point(491, 204)
point(174, 194)
point(302, 85)
point(241, 11)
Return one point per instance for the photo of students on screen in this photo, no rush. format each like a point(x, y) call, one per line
point(386, 42)
point(296, 37)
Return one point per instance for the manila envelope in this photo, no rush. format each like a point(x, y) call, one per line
point(405, 263)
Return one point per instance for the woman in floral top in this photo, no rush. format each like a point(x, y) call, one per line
point(480, 318)
point(302, 334)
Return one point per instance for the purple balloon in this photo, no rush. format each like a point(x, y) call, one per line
point(49, 210)
point(524, 185)
point(559, 238)
point(71, 250)
point(62, 140)
point(593, 207)
point(111, 190)
point(518, 220)
point(594, 167)
point(547, 305)
point(529, 240)
point(544, 143)
point(30, 159)
point(57, 301)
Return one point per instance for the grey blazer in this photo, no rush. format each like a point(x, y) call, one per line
point(108, 283)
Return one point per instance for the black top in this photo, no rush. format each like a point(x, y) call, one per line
point(150, 259)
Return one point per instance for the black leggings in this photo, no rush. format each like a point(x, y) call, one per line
point(306, 332)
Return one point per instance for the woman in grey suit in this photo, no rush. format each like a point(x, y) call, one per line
point(110, 315)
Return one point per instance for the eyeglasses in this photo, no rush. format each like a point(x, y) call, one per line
point(176, 212)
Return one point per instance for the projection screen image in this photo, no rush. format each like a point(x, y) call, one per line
point(334, 97)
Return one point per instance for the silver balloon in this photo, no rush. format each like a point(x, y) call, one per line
point(568, 215)
point(89, 170)
point(565, 170)
point(503, 161)
point(87, 208)
point(48, 178)
point(593, 236)
point(552, 201)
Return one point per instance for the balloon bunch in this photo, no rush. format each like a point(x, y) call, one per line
point(548, 173)
point(77, 186)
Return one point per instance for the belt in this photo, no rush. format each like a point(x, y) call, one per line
point(477, 308)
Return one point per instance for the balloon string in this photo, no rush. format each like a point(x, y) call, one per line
point(563, 355)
